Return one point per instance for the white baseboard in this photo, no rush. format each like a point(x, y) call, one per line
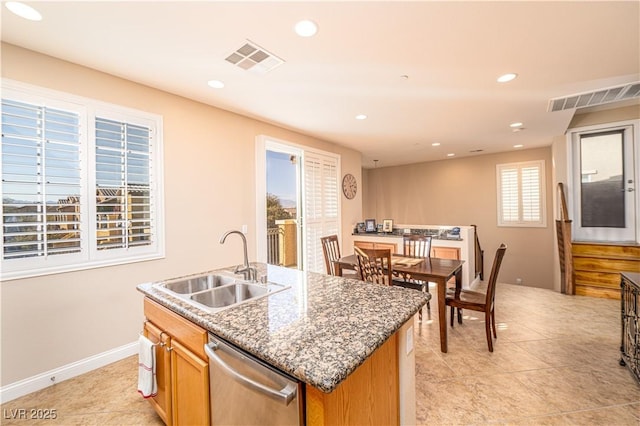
point(57, 375)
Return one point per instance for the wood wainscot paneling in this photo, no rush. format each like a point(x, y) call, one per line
point(597, 267)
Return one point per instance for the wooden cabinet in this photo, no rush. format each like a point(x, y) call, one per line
point(445, 252)
point(369, 245)
point(182, 369)
point(369, 396)
point(162, 401)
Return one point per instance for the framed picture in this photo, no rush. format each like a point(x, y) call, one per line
point(387, 225)
point(370, 225)
point(360, 226)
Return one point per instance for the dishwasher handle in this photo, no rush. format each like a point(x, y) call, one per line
point(285, 395)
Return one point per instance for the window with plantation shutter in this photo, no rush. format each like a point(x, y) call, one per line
point(321, 198)
point(521, 189)
point(81, 183)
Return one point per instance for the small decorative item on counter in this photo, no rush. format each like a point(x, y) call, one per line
point(387, 225)
point(360, 227)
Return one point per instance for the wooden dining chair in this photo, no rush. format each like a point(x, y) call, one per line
point(480, 302)
point(374, 265)
point(331, 251)
point(416, 246)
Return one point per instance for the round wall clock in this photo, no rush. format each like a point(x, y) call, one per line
point(349, 186)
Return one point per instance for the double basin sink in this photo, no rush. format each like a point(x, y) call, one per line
point(216, 291)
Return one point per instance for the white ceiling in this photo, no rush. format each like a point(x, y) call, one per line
point(452, 53)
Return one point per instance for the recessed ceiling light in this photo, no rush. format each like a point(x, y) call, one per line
point(435, 144)
point(306, 28)
point(216, 84)
point(361, 117)
point(24, 11)
point(517, 124)
point(518, 146)
point(451, 154)
point(507, 77)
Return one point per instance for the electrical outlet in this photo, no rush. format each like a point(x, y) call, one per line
point(518, 280)
point(409, 340)
point(244, 229)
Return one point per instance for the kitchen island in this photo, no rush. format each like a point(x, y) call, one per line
point(326, 332)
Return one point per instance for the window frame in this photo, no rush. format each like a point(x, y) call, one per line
point(89, 256)
point(519, 166)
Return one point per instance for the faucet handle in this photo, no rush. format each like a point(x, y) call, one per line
point(253, 274)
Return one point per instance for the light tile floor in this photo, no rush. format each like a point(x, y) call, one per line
point(555, 362)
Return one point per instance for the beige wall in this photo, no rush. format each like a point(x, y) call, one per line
point(55, 320)
point(463, 192)
point(606, 116)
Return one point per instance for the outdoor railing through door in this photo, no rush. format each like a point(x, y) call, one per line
point(273, 243)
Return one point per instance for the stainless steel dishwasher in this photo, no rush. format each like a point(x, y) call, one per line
point(246, 391)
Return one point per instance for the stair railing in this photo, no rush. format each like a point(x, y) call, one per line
point(479, 255)
point(563, 233)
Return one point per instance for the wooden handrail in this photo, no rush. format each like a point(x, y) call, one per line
point(479, 255)
point(564, 212)
point(563, 233)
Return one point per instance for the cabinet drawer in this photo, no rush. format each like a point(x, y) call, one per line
point(189, 334)
point(446, 252)
point(366, 245)
point(370, 245)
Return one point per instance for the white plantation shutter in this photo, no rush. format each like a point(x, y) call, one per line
point(510, 194)
point(123, 185)
point(531, 194)
point(321, 208)
point(521, 194)
point(41, 184)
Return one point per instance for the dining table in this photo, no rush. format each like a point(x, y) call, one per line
point(428, 269)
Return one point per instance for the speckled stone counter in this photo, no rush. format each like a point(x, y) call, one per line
point(319, 330)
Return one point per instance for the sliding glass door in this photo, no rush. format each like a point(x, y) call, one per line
point(315, 212)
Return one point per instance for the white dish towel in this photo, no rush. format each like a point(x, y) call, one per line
point(147, 385)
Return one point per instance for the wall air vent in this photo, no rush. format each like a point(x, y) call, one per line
point(251, 57)
point(598, 97)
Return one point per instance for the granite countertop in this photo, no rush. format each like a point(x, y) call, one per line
point(400, 233)
point(319, 330)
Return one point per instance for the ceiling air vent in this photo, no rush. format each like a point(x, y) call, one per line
point(599, 97)
point(252, 57)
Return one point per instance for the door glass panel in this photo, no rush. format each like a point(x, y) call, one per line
point(602, 180)
point(282, 208)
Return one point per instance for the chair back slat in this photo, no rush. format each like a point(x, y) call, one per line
point(416, 245)
point(331, 251)
point(374, 265)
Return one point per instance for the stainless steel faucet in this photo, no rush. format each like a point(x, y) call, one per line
point(250, 273)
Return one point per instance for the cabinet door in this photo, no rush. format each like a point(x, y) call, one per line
point(162, 401)
point(390, 246)
point(366, 245)
point(190, 385)
point(370, 245)
point(446, 252)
